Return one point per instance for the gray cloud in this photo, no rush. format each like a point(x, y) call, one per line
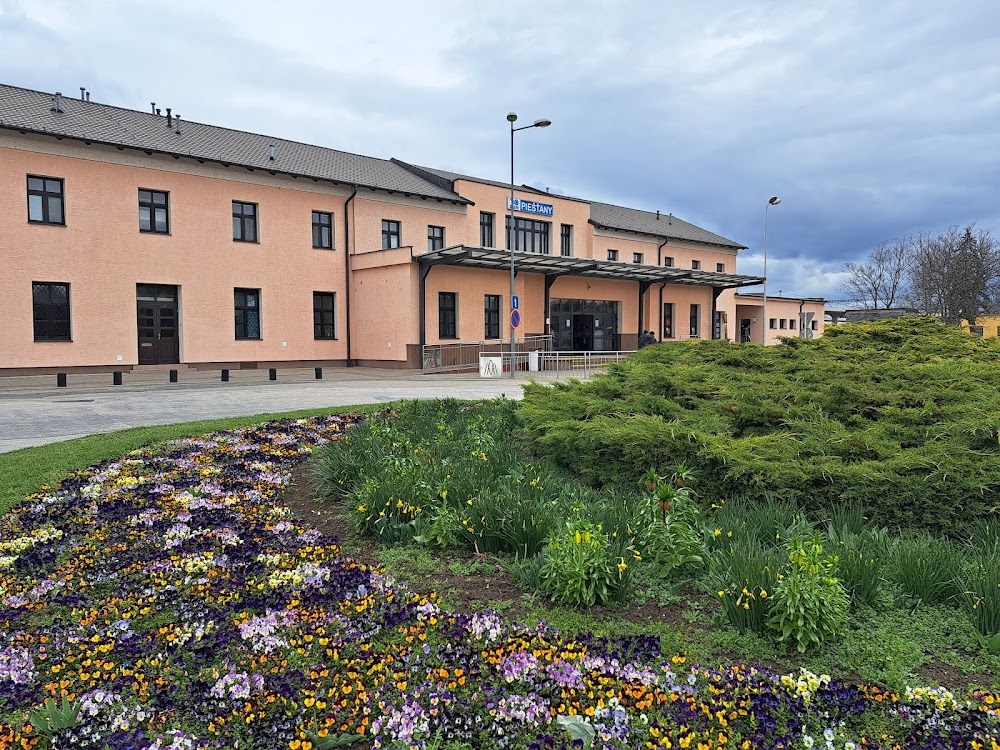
point(870, 120)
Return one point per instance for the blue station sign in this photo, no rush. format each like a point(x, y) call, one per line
point(530, 207)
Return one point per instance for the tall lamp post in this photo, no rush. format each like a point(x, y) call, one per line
point(775, 200)
point(511, 230)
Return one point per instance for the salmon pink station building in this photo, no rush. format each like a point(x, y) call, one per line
point(131, 239)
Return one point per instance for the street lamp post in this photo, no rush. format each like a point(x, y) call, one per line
point(511, 230)
point(775, 200)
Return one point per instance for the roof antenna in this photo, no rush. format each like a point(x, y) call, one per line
point(152, 107)
point(270, 152)
point(177, 122)
point(57, 104)
point(82, 89)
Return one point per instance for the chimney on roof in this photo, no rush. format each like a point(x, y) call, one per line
point(157, 111)
point(82, 90)
point(657, 214)
point(88, 96)
point(57, 103)
point(152, 108)
point(177, 122)
point(671, 219)
point(168, 118)
point(271, 152)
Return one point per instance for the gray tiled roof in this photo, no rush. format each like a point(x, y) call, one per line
point(30, 111)
point(452, 176)
point(645, 222)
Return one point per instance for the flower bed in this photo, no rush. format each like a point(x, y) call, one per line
point(170, 600)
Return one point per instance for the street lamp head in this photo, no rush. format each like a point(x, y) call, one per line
point(775, 200)
point(511, 117)
point(541, 123)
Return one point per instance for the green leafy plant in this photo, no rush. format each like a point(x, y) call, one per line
point(579, 567)
point(927, 569)
point(331, 741)
point(862, 560)
point(809, 604)
point(53, 716)
point(744, 576)
point(980, 598)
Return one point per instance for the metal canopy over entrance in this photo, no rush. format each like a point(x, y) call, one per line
point(557, 265)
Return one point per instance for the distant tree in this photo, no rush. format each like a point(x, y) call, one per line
point(880, 281)
point(955, 275)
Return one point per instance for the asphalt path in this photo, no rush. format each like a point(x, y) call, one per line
point(37, 416)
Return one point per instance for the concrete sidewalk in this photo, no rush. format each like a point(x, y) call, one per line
point(39, 413)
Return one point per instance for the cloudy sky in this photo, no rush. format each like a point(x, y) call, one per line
point(870, 120)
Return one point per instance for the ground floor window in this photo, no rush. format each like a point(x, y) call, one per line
point(583, 325)
point(491, 328)
point(247, 307)
point(696, 321)
point(447, 315)
point(50, 307)
point(324, 315)
point(668, 320)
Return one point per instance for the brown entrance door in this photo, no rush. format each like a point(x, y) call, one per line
point(156, 308)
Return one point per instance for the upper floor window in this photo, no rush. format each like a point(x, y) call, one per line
point(791, 324)
point(637, 258)
point(814, 326)
point(45, 200)
point(772, 323)
point(566, 240)
point(782, 323)
point(324, 315)
point(668, 262)
point(695, 265)
point(244, 222)
point(531, 236)
point(322, 226)
point(612, 254)
point(435, 238)
point(247, 307)
point(486, 223)
point(153, 212)
point(391, 234)
point(720, 267)
point(50, 307)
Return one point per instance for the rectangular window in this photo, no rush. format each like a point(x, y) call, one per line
point(668, 262)
point(815, 326)
point(322, 225)
point(637, 258)
point(773, 323)
point(391, 234)
point(791, 324)
point(668, 320)
point(976, 330)
point(782, 324)
point(244, 222)
point(435, 238)
point(324, 315)
point(720, 267)
point(566, 240)
point(447, 315)
point(247, 306)
point(695, 265)
point(153, 212)
point(492, 316)
point(612, 254)
point(486, 223)
point(532, 236)
point(50, 303)
point(696, 321)
point(45, 200)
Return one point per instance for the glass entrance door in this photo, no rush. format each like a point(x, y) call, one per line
point(156, 312)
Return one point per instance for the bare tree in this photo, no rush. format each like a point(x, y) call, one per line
point(955, 275)
point(880, 281)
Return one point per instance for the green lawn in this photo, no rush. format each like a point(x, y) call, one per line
point(29, 469)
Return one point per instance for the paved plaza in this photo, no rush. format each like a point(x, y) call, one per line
point(33, 411)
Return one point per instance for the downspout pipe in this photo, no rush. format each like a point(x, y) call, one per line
point(802, 333)
point(347, 270)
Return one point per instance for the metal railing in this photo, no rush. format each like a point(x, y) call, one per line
point(464, 356)
point(553, 364)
